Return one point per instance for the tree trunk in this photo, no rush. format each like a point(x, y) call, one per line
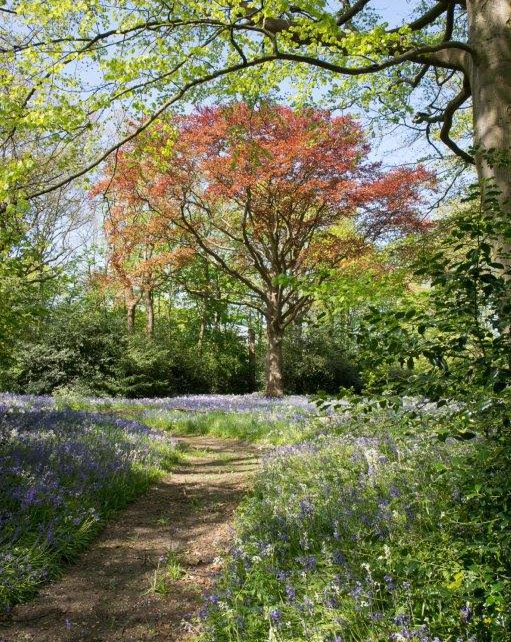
point(149, 304)
point(130, 316)
point(489, 24)
point(131, 301)
point(274, 362)
point(252, 385)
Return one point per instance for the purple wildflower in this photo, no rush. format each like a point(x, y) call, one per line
point(465, 613)
point(290, 592)
point(276, 616)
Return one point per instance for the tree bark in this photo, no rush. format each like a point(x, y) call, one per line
point(131, 307)
point(251, 338)
point(149, 304)
point(274, 361)
point(131, 301)
point(202, 331)
point(489, 23)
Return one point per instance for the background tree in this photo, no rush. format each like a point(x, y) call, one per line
point(142, 254)
point(258, 191)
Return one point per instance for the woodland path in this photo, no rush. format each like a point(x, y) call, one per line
point(104, 596)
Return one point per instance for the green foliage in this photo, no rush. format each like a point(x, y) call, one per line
point(81, 345)
point(449, 340)
point(317, 357)
point(76, 346)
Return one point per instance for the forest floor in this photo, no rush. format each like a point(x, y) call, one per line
point(143, 579)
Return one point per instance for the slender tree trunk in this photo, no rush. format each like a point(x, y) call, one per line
point(149, 305)
point(202, 332)
point(298, 327)
point(274, 361)
point(489, 24)
point(251, 360)
point(131, 307)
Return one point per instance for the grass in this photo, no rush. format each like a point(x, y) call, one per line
point(170, 569)
point(224, 425)
point(249, 418)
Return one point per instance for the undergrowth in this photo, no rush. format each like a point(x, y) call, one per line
point(371, 535)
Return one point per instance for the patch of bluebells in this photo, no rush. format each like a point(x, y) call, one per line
point(316, 544)
point(62, 472)
point(248, 403)
point(293, 410)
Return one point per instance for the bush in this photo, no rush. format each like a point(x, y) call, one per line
point(76, 346)
point(317, 361)
point(82, 347)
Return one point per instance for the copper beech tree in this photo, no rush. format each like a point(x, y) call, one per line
point(261, 193)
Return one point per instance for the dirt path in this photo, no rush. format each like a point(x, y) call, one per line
point(106, 596)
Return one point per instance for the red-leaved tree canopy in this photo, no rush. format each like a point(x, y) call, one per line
point(263, 194)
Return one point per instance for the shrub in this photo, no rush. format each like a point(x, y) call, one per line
point(318, 360)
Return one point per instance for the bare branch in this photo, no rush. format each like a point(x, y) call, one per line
point(446, 117)
point(217, 258)
point(292, 312)
point(208, 296)
point(347, 15)
point(450, 110)
point(423, 55)
point(429, 17)
point(236, 46)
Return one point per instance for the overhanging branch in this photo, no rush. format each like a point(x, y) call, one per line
point(446, 118)
point(348, 14)
point(424, 55)
point(184, 90)
point(429, 17)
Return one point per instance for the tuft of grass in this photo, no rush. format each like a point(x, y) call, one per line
point(169, 570)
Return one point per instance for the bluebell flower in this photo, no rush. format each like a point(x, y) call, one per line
point(339, 558)
point(276, 616)
point(309, 562)
point(402, 619)
point(389, 583)
point(290, 592)
point(465, 613)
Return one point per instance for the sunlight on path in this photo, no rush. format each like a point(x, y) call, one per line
point(142, 580)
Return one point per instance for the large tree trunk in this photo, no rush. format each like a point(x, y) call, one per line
point(490, 79)
point(274, 362)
